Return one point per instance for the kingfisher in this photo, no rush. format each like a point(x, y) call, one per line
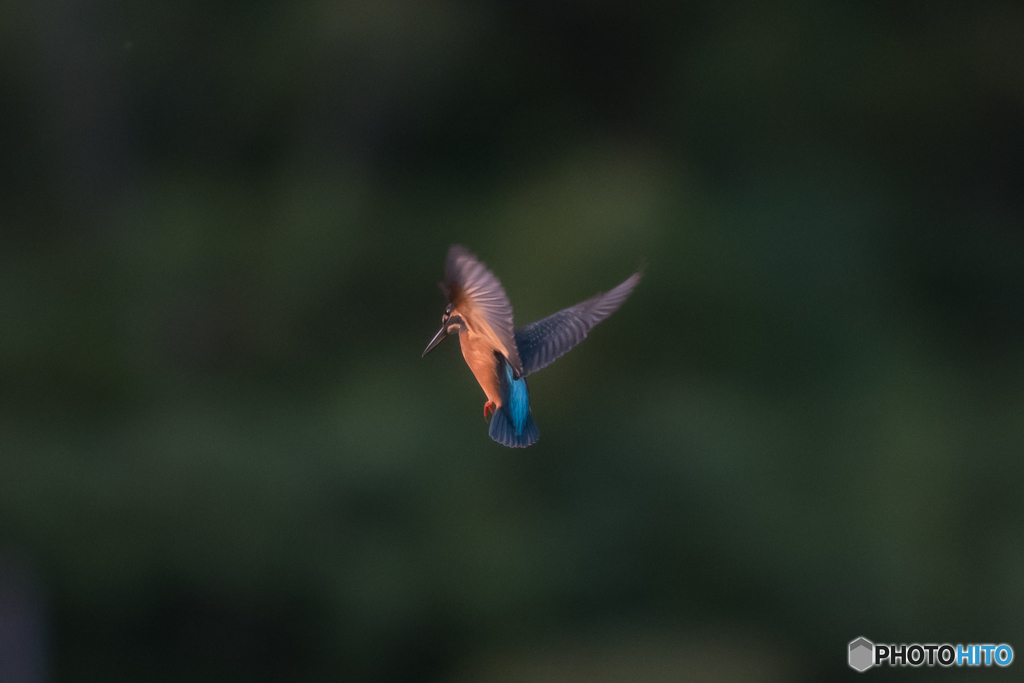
point(500, 355)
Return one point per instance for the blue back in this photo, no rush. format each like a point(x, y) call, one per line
point(518, 399)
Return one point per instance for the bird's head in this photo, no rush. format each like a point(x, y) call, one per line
point(451, 323)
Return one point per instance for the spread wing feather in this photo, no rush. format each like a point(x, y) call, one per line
point(545, 341)
point(482, 302)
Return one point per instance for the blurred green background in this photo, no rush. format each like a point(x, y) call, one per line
point(221, 224)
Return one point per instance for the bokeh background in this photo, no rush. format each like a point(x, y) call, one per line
point(221, 227)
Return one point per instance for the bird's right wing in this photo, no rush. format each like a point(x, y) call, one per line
point(545, 341)
point(482, 302)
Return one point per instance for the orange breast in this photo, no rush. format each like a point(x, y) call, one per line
point(479, 355)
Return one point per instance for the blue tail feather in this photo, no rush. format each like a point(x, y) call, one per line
point(512, 424)
point(504, 431)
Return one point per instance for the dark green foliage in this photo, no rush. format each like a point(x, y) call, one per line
point(221, 225)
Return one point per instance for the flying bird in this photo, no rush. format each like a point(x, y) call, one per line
point(501, 356)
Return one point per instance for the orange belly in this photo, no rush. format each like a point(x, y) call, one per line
point(480, 358)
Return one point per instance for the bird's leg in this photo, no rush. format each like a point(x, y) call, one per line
point(489, 409)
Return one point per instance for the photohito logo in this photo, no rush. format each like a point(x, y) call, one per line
point(863, 654)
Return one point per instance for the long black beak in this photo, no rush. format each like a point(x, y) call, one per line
point(438, 338)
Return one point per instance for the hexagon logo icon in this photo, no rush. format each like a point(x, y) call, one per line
point(862, 654)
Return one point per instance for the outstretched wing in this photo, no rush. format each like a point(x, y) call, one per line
point(545, 341)
point(482, 303)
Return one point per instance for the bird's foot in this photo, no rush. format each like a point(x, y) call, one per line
point(489, 409)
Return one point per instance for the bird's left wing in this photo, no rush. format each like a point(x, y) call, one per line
point(482, 302)
point(545, 341)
